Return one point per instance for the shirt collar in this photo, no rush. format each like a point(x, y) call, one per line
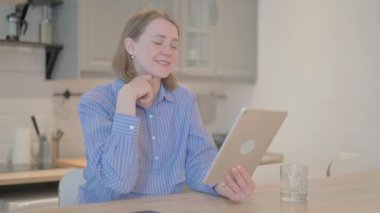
point(164, 94)
point(117, 85)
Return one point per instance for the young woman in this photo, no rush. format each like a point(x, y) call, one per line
point(143, 132)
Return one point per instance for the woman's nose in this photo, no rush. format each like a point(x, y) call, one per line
point(168, 50)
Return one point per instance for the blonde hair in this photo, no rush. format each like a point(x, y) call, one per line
point(122, 63)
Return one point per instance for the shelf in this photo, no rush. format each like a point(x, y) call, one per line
point(13, 2)
point(51, 51)
point(45, 2)
point(31, 2)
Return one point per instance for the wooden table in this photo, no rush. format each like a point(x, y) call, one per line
point(348, 194)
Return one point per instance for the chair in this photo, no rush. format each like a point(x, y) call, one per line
point(350, 166)
point(68, 188)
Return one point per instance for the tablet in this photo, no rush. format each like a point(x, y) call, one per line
point(246, 143)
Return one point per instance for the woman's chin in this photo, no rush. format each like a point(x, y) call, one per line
point(163, 74)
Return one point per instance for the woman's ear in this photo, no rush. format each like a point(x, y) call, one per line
point(129, 46)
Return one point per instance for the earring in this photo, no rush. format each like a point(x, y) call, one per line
point(132, 56)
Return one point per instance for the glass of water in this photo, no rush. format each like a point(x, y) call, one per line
point(294, 182)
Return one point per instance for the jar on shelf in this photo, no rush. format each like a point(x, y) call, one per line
point(45, 26)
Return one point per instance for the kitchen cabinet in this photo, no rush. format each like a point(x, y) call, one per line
point(198, 24)
point(101, 24)
point(28, 196)
point(237, 39)
point(218, 37)
point(90, 31)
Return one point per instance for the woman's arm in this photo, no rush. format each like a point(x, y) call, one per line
point(201, 152)
point(110, 143)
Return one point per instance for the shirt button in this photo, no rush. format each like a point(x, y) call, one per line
point(156, 158)
point(153, 138)
point(131, 127)
point(151, 116)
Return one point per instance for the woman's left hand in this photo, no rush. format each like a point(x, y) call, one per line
point(237, 185)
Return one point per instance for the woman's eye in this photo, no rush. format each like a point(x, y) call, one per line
point(157, 42)
point(174, 46)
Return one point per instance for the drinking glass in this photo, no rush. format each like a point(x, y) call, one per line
point(294, 182)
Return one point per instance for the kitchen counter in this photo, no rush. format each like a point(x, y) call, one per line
point(32, 176)
point(55, 174)
point(268, 158)
point(72, 162)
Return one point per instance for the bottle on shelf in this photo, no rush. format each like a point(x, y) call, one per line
point(45, 26)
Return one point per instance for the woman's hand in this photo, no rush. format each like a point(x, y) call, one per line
point(137, 91)
point(237, 185)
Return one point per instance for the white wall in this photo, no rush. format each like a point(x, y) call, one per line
point(319, 60)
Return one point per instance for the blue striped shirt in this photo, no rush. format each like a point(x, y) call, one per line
point(153, 153)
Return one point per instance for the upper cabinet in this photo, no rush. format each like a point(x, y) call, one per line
point(90, 31)
point(218, 37)
point(101, 24)
point(236, 38)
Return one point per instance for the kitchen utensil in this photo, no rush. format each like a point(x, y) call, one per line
point(45, 154)
point(35, 125)
point(54, 143)
point(58, 135)
point(16, 27)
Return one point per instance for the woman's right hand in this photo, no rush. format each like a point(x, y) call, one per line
point(138, 91)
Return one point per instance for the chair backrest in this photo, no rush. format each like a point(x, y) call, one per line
point(350, 166)
point(68, 189)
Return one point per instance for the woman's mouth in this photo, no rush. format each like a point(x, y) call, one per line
point(163, 62)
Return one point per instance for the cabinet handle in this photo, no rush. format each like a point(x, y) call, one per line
point(67, 94)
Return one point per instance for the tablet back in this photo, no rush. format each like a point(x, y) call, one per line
point(246, 143)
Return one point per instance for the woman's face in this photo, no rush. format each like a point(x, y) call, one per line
point(156, 50)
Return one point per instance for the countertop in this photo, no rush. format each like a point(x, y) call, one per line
point(33, 176)
point(268, 158)
point(73, 162)
point(55, 174)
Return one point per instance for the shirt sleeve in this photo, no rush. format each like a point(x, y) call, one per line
point(110, 143)
point(201, 152)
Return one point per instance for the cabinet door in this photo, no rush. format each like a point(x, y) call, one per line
point(198, 37)
point(236, 39)
point(170, 7)
point(100, 26)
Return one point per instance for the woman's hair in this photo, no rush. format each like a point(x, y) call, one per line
point(122, 62)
